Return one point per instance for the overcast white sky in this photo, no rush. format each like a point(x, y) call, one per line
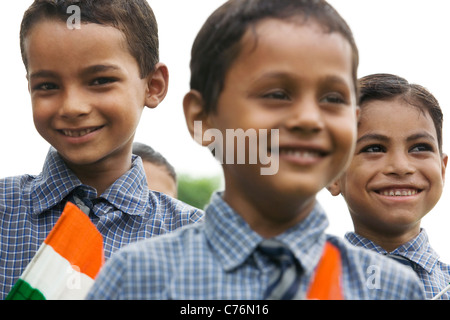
point(404, 37)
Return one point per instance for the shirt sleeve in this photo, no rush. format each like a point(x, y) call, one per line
point(109, 283)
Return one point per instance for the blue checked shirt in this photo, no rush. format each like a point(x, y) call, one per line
point(434, 274)
point(127, 211)
point(218, 259)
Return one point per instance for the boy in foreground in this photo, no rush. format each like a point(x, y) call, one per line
point(397, 175)
point(89, 84)
point(288, 67)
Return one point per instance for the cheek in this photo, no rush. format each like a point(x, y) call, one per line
point(345, 141)
point(41, 115)
point(437, 178)
point(121, 108)
point(353, 183)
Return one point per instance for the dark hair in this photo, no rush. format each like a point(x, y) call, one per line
point(147, 153)
point(217, 44)
point(134, 18)
point(383, 86)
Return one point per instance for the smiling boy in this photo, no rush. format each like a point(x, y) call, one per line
point(88, 88)
point(397, 175)
point(257, 65)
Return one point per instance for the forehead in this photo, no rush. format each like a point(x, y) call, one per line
point(396, 117)
point(52, 36)
point(291, 28)
point(289, 43)
point(292, 39)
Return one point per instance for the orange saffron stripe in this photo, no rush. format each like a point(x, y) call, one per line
point(76, 239)
point(327, 280)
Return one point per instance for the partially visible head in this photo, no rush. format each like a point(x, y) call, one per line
point(160, 174)
point(218, 43)
point(384, 87)
point(134, 18)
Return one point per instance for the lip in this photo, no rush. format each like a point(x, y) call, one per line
point(398, 192)
point(302, 154)
point(80, 134)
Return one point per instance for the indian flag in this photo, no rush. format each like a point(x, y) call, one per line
point(66, 264)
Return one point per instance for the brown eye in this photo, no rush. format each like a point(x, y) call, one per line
point(45, 86)
point(277, 95)
point(373, 149)
point(102, 81)
point(333, 98)
point(423, 147)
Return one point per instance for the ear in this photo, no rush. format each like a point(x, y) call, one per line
point(28, 83)
point(334, 188)
point(194, 113)
point(157, 85)
point(444, 165)
point(358, 113)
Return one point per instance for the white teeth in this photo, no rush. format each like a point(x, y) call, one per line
point(79, 133)
point(299, 153)
point(399, 193)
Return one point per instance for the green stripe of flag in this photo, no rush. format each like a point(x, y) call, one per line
point(23, 291)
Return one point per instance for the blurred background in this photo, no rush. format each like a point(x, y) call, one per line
point(404, 37)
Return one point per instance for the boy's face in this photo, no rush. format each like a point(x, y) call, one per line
point(297, 79)
point(397, 173)
point(86, 92)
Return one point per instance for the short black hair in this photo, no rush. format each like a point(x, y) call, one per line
point(134, 18)
point(217, 44)
point(385, 86)
point(149, 154)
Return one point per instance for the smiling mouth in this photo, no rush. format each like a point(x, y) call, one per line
point(78, 133)
point(396, 192)
point(302, 153)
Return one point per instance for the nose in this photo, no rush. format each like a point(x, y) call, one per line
point(398, 164)
point(305, 117)
point(74, 104)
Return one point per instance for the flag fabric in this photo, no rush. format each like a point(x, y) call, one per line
point(66, 264)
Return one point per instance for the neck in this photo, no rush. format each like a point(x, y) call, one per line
point(101, 175)
point(267, 215)
point(388, 241)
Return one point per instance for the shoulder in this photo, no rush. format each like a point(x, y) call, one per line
point(13, 189)
point(143, 269)
point(174, 211)
point(372, 276)
point(17, 182)
point(443, 269)
point(178, 241)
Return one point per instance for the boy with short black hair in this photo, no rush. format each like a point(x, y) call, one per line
point(397, 175)
point(89, 84)
point(288, 67)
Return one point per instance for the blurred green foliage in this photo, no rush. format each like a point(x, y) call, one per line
point(197, 191)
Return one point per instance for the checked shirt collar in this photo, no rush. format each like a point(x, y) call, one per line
point(417, 250)
point(234, 241)
point(56, 181)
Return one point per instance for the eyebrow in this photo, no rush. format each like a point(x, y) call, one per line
point(421, 135)
point(99, 68)
point(87, 71)
point(335, 79)
point(383, 138)
point(373, 136)
point(325, 79)
point(42, 74)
